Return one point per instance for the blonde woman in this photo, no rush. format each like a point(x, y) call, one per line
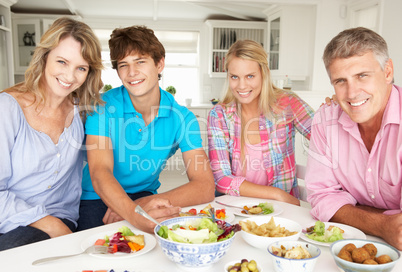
point(41, 134)
point(251, 134)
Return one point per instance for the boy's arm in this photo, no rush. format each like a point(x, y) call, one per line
point(100, 163)
point(201, 186)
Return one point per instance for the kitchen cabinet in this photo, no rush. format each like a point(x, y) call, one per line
point(26, 34)
point(222, 34)
point(6, 45)
point(274, 41)
point(291, 41)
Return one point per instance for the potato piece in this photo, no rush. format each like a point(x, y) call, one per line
point(345, 255)
point(207, 208)
point(371, 249)
point(330, 228)
point(349, 247)
point(383, 259)
point(370, 261)
point(255, 210)
point(359, 255)
point(138, 239)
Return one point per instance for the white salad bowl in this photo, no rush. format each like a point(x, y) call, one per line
point(191, 256)
point(262, 242)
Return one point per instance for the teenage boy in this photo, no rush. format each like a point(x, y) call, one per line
point(132, 136)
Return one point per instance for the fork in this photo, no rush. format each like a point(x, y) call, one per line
point(95, 249)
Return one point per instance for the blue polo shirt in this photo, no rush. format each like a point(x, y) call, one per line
point(140, 152)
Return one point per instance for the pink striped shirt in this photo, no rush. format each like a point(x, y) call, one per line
point(341, 171)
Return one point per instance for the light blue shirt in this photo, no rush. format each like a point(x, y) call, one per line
point(140, 152)
point(37, 177)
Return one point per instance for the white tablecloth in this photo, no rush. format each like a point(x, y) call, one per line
point(20, 259)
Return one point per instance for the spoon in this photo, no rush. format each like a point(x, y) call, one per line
point(212, 213)
point(139, 210)
point(245, 211)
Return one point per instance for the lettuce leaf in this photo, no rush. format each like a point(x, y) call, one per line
point(319, 228)
point(320, 234)
point(267, 208)
point(125, 231)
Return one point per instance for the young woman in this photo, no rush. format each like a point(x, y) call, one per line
point(41, 134)
point(251, 134)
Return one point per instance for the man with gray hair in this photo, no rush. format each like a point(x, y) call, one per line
point(354, 170)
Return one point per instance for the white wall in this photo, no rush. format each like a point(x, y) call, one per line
point(390, 29)
point(329, 24)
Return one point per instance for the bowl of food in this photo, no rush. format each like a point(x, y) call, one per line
point(194, 241)
point(260, 232)
point(293, 256)
point(364, 255)
point(243, 265)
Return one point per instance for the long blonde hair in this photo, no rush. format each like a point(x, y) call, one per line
point(87, 94)
point(270, 94)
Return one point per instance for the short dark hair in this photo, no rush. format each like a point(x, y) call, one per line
point(124, 41)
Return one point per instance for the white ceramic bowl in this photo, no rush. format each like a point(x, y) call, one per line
point(191, 256)
point(300, 265)
point(239, 261)
point(263, 242)
point(382, 248)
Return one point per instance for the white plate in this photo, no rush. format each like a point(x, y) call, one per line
point(150, 243)
point(277, 208)
point(229, 215)
point(349, 233)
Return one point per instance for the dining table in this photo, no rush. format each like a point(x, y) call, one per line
point(20, 259)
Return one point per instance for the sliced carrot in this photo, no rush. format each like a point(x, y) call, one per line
point(135, 246)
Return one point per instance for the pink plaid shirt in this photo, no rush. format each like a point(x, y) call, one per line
point(277, 144)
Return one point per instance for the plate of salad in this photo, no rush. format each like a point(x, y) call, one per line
point(325, 233)
point(221, 214)
point(261, 208)
point(199, 231)
point(122, 243)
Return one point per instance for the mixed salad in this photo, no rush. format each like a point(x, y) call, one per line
point(320, 234)
point(199, 231)
point(219, 213)
point(261, 208)
point(124, 240)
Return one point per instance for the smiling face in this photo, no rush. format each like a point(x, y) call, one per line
point(362, 87)
point(245, 80)
point(66, 70)
point(139, 74)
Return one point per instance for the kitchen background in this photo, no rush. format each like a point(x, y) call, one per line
point(197, 34)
